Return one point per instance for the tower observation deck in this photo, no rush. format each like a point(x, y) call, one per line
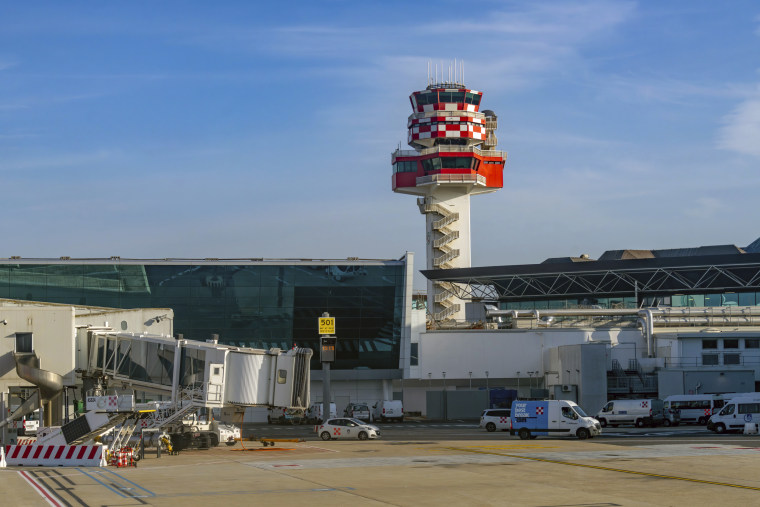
point(453, 158)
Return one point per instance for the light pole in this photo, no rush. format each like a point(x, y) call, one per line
point(445, 405)
point(518, 385)
point(488, 392)
point(470, 374)
point(530, 389)
point(430, 380)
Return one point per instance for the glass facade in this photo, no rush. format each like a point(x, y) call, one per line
point(676, 300)
point(253, 305)
point(407, 166)
point(435, 97)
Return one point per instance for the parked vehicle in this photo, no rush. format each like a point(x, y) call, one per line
point(641, 412)
point(552, 417)
point(358, 411)
point(694, 408)
point(672, 416)
point(228, 433)
point(735, 414)
point(315, 413)
point(193, 431)
point(284, 415)
point(346, 427)
point(30, 423)
point(388, 410)
point(496, 419)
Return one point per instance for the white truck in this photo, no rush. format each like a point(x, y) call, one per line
point(641, 412)
point(552, 417)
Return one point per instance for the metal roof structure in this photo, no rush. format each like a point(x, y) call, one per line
point(656, 276)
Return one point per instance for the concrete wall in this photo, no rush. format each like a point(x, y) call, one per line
point(505, 352)
point(677, 381)
point(53, 336)
point(584, 367)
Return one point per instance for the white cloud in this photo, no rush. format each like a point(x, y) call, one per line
point(741, 129)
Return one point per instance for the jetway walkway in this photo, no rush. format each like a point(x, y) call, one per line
point(206, 373)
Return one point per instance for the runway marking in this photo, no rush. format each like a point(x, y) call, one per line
point(610, 469)
point(40, 489)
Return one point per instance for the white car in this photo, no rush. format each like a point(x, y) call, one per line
point(345, 427)
point(496, 419)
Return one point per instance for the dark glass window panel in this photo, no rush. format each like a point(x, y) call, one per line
point(457, 97)
point(414, 355)
point(746, 299)
point(731, 358)
point(710, 359)
point(24, 343)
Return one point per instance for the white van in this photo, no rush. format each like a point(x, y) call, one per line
point(694, 408)
point(495, 419)
point(552, 417)
point(735, 414)
point(388, 410)
point(315, 415)
point(642, 412)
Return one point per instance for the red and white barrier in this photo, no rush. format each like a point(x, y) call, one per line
point(55, 455)
point(26, 440)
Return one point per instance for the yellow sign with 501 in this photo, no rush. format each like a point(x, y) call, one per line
point(327, 325)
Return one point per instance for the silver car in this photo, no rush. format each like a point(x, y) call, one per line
point(345, 427)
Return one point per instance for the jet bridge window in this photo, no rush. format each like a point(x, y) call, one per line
point(24, 343)
point(282, 376)
point(193, 366)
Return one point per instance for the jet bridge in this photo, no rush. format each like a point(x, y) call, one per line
point(217, 375)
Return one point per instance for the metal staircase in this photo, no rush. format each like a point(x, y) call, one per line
point(124, 433)
point(71, 428)
point(444, 293)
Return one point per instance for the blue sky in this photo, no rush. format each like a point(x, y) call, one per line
point(264, 129)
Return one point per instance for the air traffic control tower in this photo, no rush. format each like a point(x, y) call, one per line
point(453, 158)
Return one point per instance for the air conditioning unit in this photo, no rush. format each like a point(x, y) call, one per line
point(567, 388)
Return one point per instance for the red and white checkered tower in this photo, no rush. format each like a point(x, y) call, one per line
point(453, 158)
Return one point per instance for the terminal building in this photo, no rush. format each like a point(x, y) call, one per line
point(630, 323)
point(633, 323)
point(253, 303)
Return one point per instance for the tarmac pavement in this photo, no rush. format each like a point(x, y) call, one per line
point(500, 470)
